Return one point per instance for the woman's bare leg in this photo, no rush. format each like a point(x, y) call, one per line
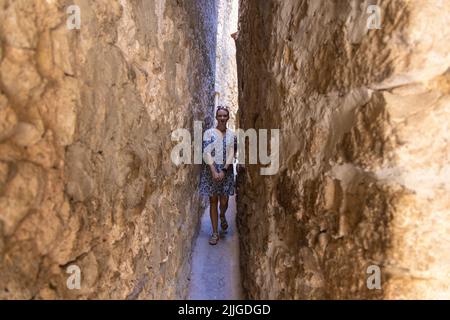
point(213, 212)
point(223, 206)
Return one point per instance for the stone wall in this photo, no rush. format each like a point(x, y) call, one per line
point(364, 149)
point(85, 121)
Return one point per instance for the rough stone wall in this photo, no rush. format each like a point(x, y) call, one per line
point(364, 149)
point(85, 121)
point(226, 76)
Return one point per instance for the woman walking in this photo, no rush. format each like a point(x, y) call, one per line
point(217, 178)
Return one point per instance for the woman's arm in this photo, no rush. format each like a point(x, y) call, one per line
point(231, 153)
point(209, 159)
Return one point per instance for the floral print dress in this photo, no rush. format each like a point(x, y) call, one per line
point(212, 139)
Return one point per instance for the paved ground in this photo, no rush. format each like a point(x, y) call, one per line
point(215, 269)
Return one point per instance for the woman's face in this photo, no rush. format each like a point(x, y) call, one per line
point(222, 117)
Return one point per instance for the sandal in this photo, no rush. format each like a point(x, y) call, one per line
point(223, 223)
point(214, 238)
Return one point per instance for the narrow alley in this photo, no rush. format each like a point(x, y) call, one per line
point(98, 97)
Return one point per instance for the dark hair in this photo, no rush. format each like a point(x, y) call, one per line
point(223, 108)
